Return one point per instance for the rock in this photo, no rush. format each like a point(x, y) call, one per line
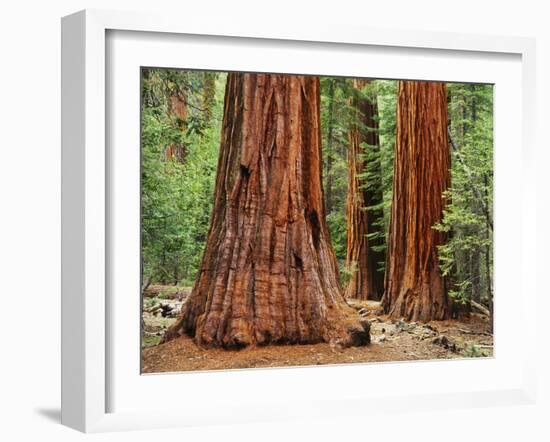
point(446, 343)
point(384, 328)
point(400, 325)
point(425, 332)
point(359, 336)
point(381, 338)
point(441, 340)
point(167, 310)
point(363, 311)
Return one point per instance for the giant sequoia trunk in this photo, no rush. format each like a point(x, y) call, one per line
point(269, 274)
point(414, 287)
point(363, 157)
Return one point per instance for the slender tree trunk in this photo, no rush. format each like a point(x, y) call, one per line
point(415, 289)
point(209, 94)
point(269, 273)
point(177, 110)
point(489, 280)
point(475, 256)
point(366, 282)
point(475, 274)
point(163, 267)
point(488, 250)
point(330, 147)
point(176, 274)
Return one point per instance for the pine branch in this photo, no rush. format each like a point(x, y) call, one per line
point(476, 191)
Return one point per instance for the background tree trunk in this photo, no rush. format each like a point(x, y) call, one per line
point(330, 153)
point(414, 286)
point(475, 254)
point(488, 264)
point(209, 94)
point(177, 109)
point(366, 282)
point(269, 274)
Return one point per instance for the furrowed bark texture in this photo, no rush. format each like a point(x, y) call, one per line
point(415, 289)
point(269, 274)
point(367, 282)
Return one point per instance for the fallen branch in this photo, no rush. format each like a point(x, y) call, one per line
point(480, 308)
point(466, 332)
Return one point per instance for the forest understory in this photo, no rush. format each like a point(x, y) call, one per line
point(470, 336)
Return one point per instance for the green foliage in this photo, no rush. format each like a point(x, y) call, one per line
point(347, 272)
point(148, 303)
point(177, 193)
point(336, 221)
point(148, 340)
point(466, 258)
point(473, 351)
point(335, 114)
point(387, 109)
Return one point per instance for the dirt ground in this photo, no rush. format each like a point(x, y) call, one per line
point(391, 341)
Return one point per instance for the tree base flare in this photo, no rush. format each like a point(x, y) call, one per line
point(420, 305)
point(350, 331)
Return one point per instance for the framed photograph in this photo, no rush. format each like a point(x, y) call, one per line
point(265, 223)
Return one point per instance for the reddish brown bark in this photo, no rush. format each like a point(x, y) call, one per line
point(269, 274)
point(366, 282)
point(177, 110)
point(415, 289)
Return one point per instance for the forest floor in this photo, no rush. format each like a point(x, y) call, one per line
point(391, 340)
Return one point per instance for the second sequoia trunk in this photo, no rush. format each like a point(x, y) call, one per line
point(269, 274)
point(364, 252)
point(415, 289)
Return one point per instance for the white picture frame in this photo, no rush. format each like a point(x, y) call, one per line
point(87, 319)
